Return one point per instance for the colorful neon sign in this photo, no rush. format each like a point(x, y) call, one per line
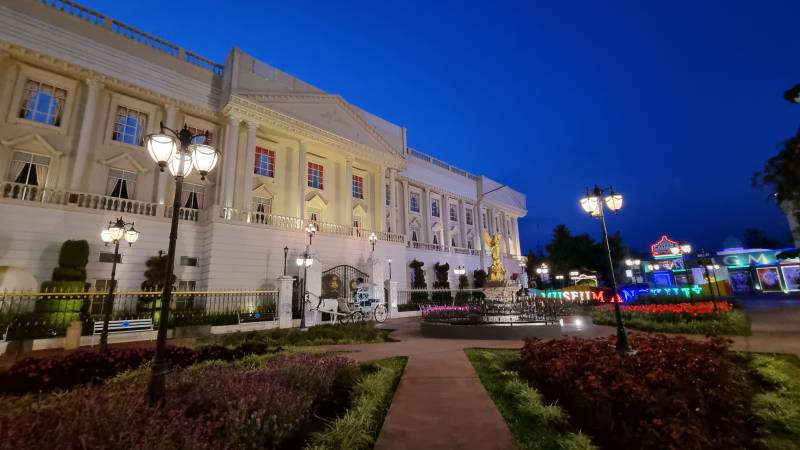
point(663, 247)
point(686, 291)
point(757, 258)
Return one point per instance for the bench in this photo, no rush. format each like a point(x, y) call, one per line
point(251, 317)
point(122, 326)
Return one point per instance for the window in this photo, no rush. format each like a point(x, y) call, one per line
point(314, 214)
point(483, 220)
point(468, 216)
point(357, 222)
point(496, 225)
point(388, 196)
point(129, 126)
point(434, 207)
point(358, 187)
point(414, 202)
point(108, 257)
point(189, 261)
point(42, 103)
point(121, 184)
point(453, 241)
point(263, 208)
point(265, 162)
point(192, 196)
point(316, 175)
point(414, 235)
point(453, 213)
point(187, 285)
point(29, 168)
point(469, 243)
point(102, 285)
point(435, 238)
point(201, 139)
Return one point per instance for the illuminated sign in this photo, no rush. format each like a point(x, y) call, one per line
point(687, 291)
point(758, 257)
point(663, 246)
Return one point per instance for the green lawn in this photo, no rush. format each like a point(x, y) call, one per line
point(734, 323)
point(776, 402)
point(534, 424)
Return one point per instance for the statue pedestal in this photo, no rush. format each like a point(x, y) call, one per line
point(501, 290)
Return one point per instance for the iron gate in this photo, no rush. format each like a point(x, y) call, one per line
point(341, 281)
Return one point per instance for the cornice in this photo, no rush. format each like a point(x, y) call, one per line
point(244, 110)
point(324, 98)
point(509, 209)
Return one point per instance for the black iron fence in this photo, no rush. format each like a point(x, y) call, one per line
point(28, 315)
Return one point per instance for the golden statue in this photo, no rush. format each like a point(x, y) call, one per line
point(497, 272)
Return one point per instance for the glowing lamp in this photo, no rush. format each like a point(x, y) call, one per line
point(175, 162)
point(161, 148)
point(614, 202)
point(674, 250)
point(591, 205)
point(105, 235)
point(131, 236)
point(116, 232)
point(686, 248)
point(204, 158)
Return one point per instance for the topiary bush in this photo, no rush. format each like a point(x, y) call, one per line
point(57, 311)
point(418, 282)
point(673, 393)
point(478, 281)
point(441, 272)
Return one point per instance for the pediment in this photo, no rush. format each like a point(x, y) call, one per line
point(359, 210)
point(124, 161)
point(262, 192)
point(333, 114)
point(316, 198)
point(33, 143)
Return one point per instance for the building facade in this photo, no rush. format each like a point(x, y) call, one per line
point(79, 91)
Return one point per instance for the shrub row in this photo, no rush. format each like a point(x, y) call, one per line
point(87, 366)
point(211, 406)
point(733, 323)
point(351, 333)
point(673, 393)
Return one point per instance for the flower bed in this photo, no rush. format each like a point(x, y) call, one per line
point(352, 333)
point(674, 393)
point(87, 366)
point(209, 406)
point(687, 317)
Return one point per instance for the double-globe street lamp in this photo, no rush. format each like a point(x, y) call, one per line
point(178, 151)
point(114, 234)
point(595, 202)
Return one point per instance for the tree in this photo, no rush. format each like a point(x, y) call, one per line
point(532, 261)
point(580, 252)
point(441, 272)
point(418, 282)
point(755, 238)
point(154, 282)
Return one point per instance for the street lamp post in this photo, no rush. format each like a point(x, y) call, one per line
point(114, 234)
point(176, 150)
point(542, 271)
point(373, 238)
point(285, 255)
point(594, 203)
point(305, 261)
point(311, 229)
point(561, 279)
point(390, 269)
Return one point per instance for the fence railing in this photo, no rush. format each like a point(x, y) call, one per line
point(28, 315)
point(83, 200)
point(134, 34)
point(423, 296)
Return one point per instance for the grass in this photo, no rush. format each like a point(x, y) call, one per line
point(776, 403)
point(359, 427)
point(534, 424)
point(734, 323)
point(352, 333)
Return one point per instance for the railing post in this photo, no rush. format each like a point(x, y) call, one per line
point(391, 286)
point(285, 302)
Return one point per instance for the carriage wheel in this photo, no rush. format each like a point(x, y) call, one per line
point(380, 313)
point(357, 316)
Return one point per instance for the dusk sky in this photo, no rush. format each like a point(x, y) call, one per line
point(675, 104)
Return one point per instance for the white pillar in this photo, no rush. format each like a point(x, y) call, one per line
point(347, 192)
point(302, 179)
point(517, 242)
point(445, 213)
point(425, 212)
point(285, 302)
point(391, 286)
point(314, 287)
point(249, 163)
point(380, 204)
point(479, 217)
point(376, 277)
point(229, 160)
point(462, 221)
point(88, 126)
point(406, 207)
point(392, 202)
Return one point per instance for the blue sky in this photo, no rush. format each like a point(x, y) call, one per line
point(675, 104)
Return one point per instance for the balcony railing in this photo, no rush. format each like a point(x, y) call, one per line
point(26, 192)
point(190, 214)
point(298, 224)
point(134, 34)
point(428, 246)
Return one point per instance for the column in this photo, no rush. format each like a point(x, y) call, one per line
point(392, 202)
point(391, 286)
point(406, 205)
point(85, 139)
point(479, 218)
point(425, 213)
point(229, 160)
point(445, 213)
point(462, 221)
point(380, 204)
point(285, 302)
point(517, 242)
point(347, 192)
point(249, 163)
point(302, 179)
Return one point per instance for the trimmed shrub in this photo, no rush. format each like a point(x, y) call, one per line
point(441, 271)
point(478, 281)
point(673, 393)
point(210, 407)
point(418, 282)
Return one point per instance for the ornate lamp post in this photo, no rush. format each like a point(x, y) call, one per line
point(373, 238)
point(174, 149)
point(285, 255)
point(116, 231)
point(542, 271)
point(594, 204)
point(311, 229)
point(305, 262)
point(561, 279)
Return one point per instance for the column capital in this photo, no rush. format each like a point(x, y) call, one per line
point(233, 121)
point(92, 83)
point(251, 124)
point(171, 107)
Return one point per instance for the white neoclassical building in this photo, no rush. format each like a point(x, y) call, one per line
point(79, 91)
